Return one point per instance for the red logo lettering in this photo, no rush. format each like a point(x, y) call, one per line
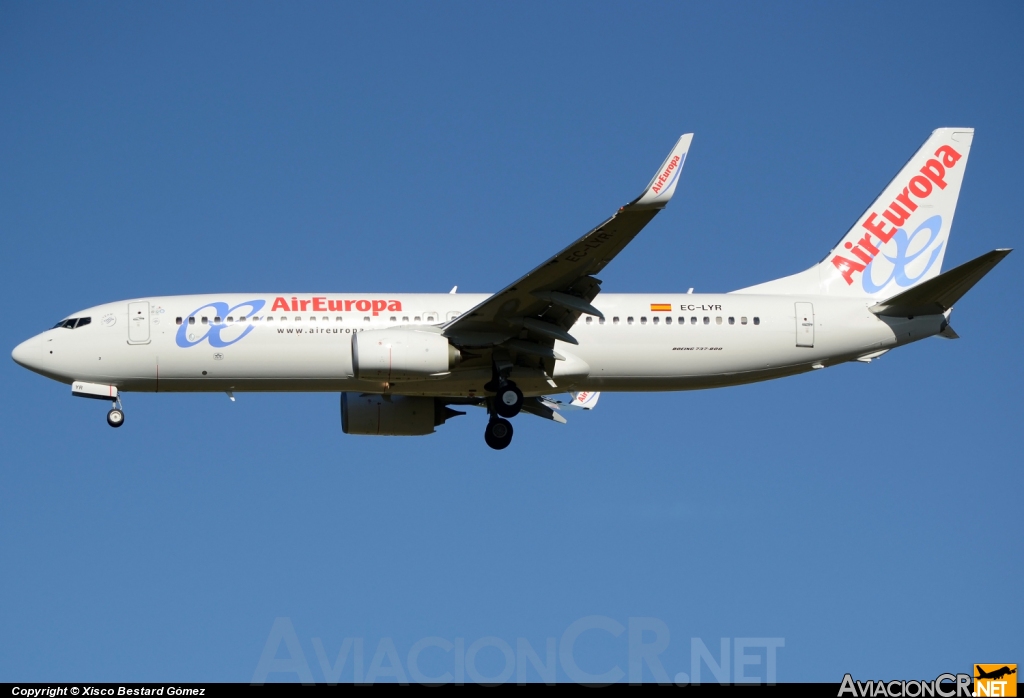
point(920, 186)
point(323, 304)
point(660, 180)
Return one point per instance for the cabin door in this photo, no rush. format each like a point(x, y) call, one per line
point(138, 322)
point(804, 324)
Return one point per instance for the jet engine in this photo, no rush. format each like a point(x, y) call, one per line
point(392, 415)
point(395, 355)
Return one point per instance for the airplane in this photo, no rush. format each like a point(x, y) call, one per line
point(403, 362)
point(995, 674)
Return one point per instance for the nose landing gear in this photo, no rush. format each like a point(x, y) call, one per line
point(115, 417)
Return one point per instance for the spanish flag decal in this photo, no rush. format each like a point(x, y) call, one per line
point(661, 307)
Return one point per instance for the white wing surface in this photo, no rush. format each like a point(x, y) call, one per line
point(539, 307)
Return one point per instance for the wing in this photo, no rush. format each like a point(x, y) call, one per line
point(539, 308)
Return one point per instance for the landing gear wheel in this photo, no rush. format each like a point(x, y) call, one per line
point(115, 418)
point(509, 400)
point(498, 434)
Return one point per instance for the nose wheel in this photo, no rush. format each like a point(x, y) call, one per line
point(115, 417)
point(498, 434)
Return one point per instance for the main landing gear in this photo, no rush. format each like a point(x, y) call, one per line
point(498, 434)
point(506, 403)
point(509, 400)
point(115, 417)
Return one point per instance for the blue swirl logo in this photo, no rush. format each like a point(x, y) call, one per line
point(213, 330)
point(904, 257)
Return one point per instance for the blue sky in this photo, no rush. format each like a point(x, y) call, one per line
point(865, 514)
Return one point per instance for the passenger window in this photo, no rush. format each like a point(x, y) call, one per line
point(416, 318)
point(693, 320)
point(743, 320)
point(284, 318)
point(405, 318)
point(177, 321)
point(600, 321)
point(241, 319)
point(230, 319)
point(718, 320)
point(615, 320)
point(394, 319)
point(707, 320)
point(682, 320)
point(757, 321)
point(298, 318)
point(643, 320)
point(629, 320)
point(668, 321)
point(270, 318)
point(216, 319)
point(205, 320)
point(732, 321)
point(589, 320)
point(366, 318)
point(339, 318)
point(191, 320)
point(430, 318)
point(655, 319)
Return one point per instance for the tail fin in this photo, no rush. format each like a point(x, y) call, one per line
point(900, 240)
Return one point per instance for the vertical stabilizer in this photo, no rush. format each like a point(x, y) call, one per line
point(901, 239)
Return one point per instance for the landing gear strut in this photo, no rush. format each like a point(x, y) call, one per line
point(115, 417)
point(498, 434)
point(506, 403)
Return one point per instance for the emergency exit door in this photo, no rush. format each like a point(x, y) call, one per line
point(138, 322)
point(804, 324)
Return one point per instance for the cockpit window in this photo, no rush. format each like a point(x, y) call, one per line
point(73, 322)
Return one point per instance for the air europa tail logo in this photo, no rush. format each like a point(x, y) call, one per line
point(324, 304)
point(920, 187)
point(668, 175)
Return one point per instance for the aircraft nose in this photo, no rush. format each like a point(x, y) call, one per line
point(27, 353)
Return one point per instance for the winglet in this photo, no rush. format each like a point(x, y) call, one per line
point(661, 188)
point(584, 399)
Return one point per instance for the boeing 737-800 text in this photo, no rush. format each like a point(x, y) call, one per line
point(401, 362)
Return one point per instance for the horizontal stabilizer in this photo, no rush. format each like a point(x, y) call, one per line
point(937, 295)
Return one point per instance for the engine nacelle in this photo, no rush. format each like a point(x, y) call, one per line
point(393, 415)
point(396, 355)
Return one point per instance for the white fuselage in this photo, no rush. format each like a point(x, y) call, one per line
point(302, 342)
